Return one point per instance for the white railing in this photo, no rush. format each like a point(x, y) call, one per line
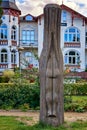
point(27, 43)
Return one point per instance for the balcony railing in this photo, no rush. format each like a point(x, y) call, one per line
point(13, 65)
point(28, 43)
point(72, 44)
point(14, 43)
point(3, 66)
point(3, 42)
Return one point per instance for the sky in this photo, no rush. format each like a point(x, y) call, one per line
point(35, 7)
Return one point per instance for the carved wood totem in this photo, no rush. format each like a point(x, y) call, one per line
point(51, 69)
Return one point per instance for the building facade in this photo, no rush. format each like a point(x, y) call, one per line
point(73, 38)
point(27, 32)
point(9, 35)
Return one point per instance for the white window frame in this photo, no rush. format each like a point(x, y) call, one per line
point(64, 16)
point(13, 57)
point(4, 56)
point(13, 33)
point(86, 37)
point(75, 59)
point(27, 36)
point(72, 34)
point(3, 30)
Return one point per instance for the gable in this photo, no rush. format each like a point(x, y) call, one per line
point(28, 18)
point(73, 12)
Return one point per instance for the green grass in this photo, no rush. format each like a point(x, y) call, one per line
point(10, 123)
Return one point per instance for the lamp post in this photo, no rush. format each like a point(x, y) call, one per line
point(20, 49)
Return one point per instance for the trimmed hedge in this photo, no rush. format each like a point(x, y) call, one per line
point(14, 96)
point(75, 89)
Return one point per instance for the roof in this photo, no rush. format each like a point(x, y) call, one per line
point(75, 13)
point(9, 5)
point(64, 7)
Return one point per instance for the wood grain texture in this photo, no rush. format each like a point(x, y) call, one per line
point(51, 69)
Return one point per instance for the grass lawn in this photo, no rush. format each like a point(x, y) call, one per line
point(11, 123)
point(79, 98)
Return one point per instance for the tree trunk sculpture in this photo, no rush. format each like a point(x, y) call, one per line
point(51, 69)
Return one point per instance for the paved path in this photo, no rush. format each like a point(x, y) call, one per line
point(68, 116)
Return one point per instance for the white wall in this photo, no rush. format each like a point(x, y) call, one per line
point(40, 35)
point(9, 26)
point(77, 22)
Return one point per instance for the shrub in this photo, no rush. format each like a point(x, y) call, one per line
point(16, 95)
point(24, 107)
point(3, 79)
point(27, 96)
point(8, 73)
point(75, 89)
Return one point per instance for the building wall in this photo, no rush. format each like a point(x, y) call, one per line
point(28, 46)
point(40, 34)
point(29, 26)
point(78, 23)
point(38, 26)
point(8, 20)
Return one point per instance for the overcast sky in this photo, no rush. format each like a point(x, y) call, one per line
point(35, 7)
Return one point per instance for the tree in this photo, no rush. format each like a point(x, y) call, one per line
point(1, 12)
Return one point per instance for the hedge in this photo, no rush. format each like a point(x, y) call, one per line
point(75, 89)
point(17, 95)
point(28, 95)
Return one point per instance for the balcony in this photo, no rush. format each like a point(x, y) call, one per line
point(72, 44)
point(3, 42)
point(14, 43)
point(3, 66)
point(28, 43)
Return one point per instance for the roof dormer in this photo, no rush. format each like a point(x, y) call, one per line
point(28, 18)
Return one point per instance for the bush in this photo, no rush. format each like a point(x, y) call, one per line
point(3, 79)
point(7, 75)
point(75, 107)
point(27, 96)
point(75, 89)
point(17, 95)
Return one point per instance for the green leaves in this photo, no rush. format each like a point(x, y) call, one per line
point(15, 96)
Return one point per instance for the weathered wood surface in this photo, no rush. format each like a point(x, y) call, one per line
point(51, 69)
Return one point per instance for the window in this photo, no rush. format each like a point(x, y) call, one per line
point(13, 33)
point(28, 57)
point(64, 16)
point(86, 38)
point(13, 56)
point(4, 56)
point(3, 32)
point(3, 17)
point(72, 35)
point(28, 36)
point(72, 58)
point(10, 0)
point(29, 18)
point(14, 19)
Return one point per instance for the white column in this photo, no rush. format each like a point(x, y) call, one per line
point(17, 59)
point(9, 59)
